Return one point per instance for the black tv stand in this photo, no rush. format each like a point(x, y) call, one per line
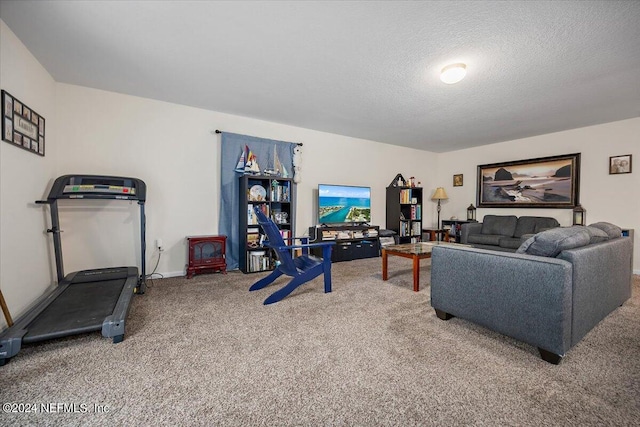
point(353, 241)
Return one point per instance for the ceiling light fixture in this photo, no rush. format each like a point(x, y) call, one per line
point(453, 73)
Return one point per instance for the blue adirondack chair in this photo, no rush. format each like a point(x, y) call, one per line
point(302, 269)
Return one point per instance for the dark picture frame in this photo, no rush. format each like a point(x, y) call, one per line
point(620, 164)
point(21, 125)
point(458, 180)
point(544, 182)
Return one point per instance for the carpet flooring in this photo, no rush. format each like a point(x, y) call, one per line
point(205, 351)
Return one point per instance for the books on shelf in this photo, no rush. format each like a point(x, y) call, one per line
point(405, 196)
point(252, 219)
point(404, 228)
point(329, 234)
point(258, 261)
point(416, 229)
point(410, 228)
point(416, 212)
point(343, 235)
point(280, 192)
point(286, 235)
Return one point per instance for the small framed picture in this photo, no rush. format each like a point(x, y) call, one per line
point(457, 180)
point(620, 164)
point(8, 129)
point(8, 106)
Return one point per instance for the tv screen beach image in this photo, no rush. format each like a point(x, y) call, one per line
point(340, 204)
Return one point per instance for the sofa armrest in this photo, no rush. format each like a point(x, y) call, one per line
point(522, 296)
point(469, 228)
point(602, 281)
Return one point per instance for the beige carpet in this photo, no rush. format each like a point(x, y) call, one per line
point(205, 351)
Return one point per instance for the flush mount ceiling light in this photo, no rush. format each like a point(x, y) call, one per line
point(453, 73)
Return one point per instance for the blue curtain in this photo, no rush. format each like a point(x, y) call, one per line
point(232, 146)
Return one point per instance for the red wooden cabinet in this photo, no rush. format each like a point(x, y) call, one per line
point(206, 254)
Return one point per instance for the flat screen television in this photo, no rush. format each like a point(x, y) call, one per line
point(339, 204)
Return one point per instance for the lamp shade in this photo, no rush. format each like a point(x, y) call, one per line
point(440, 194)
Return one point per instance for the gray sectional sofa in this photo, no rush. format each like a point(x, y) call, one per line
point(504, 232)
point(560, 285)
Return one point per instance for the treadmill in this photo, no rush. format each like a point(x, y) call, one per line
point(88, 300)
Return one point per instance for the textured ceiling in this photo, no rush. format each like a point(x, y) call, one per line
point(363, 69)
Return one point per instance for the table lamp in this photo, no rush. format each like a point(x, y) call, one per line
point(440, 194)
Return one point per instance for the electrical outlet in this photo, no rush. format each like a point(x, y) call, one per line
point(159, 244)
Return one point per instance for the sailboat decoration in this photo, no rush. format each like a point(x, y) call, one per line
point(252, 163)
point(242, 160)
point(277, 166)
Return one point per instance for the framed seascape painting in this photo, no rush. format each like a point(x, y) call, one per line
point(545, 182)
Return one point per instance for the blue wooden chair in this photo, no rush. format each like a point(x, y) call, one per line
point(302, 269)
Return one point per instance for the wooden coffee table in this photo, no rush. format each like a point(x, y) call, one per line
point(415, 251)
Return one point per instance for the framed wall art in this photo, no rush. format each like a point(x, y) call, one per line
point(457, 180)
point(21, 126)
point(620, 164)
point(545, 182)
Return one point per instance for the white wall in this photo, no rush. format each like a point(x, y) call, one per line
point(171, 147)
point(611, 198)
point(26, 266)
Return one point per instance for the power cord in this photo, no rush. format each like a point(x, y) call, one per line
point(150, 276)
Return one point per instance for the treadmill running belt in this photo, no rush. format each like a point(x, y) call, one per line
point(82, 307)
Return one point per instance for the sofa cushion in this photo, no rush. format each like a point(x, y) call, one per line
point(612, 230)
point(545, 223)
point(510, 242)
point(484, 239)
point(597, 235)
point(534, 224)
point(551, 242)
point(525, 225)
point(504, 225)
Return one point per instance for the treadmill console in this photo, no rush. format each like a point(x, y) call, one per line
point(97, 187)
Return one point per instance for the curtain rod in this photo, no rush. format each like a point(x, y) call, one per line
point(297, 143)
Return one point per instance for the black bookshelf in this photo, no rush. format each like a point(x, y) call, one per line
point(276, 197)
point(404, 213)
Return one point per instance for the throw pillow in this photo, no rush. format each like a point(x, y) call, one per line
point(612, 230)
point(551, 242)
point(597, 235)
point(525, 245)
